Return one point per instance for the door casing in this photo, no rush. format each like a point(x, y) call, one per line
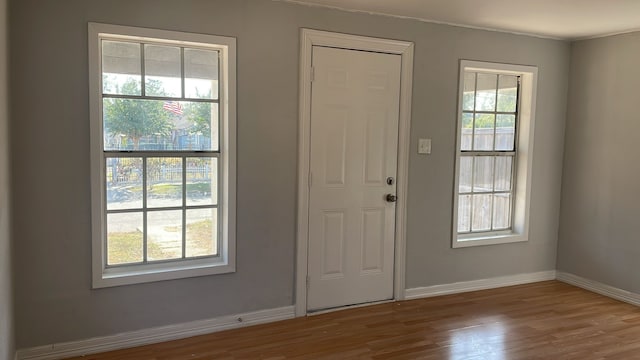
point(310, 38)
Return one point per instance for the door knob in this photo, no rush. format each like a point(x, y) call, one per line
point(391, 198)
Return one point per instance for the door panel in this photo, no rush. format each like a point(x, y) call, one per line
point(335, 147)
point(372, 240)
point(354, 140)
point(375, 146)
point(333, 243)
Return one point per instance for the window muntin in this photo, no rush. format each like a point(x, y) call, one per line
point(166, 140)
point(487, 152)
point(166, 192)
point(494, 157)
point(143, 118)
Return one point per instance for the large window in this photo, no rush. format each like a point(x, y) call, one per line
point(495, 138)
point(163, 163)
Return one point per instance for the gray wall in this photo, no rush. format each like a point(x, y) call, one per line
point(600, 203)
point(6, 293)
point(51, 171)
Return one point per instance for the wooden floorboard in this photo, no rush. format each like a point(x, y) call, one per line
point(546, 320)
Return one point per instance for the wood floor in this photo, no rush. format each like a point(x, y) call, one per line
point(546, 320)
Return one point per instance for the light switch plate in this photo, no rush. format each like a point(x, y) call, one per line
point(424, 146)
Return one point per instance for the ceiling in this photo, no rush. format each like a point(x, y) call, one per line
point(560, 19)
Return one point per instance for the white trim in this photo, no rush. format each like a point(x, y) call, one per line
point(154, 335)
point(524, 155)
point(483, 284)
point(308, 39)
point(225, 263)
point(600, 288)
point(567, 39)
point(429, 21)
point(341, 308)
point(604, 35)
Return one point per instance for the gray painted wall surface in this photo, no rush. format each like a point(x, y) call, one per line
point(600, 204)
point(6, 293)
point(51, 129)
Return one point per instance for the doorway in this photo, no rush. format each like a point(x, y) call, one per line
point(355, 104)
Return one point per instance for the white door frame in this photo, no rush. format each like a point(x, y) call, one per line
point(310, 38)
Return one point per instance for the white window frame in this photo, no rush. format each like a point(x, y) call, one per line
point(104, 276)
point(523, 160)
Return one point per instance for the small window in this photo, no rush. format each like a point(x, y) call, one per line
point(163, 154)
point(493, 162)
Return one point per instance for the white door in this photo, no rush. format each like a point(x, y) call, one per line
point(353, 163)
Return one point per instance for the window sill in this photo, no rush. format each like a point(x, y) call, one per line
point(138, 274)
point(488, 239)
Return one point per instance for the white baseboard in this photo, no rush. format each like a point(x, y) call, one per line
point(153, 335)
point(600, 288)
point(201, 327)
point(483, 284)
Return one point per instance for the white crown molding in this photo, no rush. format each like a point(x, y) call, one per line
point(600, 288)
point(483, 28)
point(429, 21)
point(153, 335)
point(605, 35)
point(483, 284)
